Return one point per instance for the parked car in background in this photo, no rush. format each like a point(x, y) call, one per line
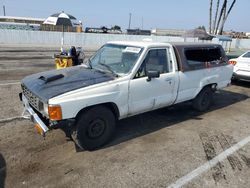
point(241, 67)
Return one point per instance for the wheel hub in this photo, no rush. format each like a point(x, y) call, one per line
point(96, 128)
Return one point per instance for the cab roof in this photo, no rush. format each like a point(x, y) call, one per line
point(148, 44)
point(142, 44)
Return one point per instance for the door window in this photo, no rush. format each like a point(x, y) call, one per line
point(156, 60)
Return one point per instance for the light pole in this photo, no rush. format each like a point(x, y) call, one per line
point(4, 13)
point(129, 23)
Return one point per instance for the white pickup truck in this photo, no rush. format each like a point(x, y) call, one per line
point(123, 79)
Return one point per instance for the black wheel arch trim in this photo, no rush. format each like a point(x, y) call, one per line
point(212, 86)
point(110, 105)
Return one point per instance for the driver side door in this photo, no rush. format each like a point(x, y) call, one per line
point(145, 94)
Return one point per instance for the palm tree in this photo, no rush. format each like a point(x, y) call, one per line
point(225, 17)
point(210, 16)
point(218, 25)
point(216, 16)
point(223, 8)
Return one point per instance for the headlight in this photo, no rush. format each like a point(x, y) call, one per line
point(45, 108)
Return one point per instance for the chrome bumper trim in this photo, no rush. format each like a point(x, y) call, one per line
point(33, 116)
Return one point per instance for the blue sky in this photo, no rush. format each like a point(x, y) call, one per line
point(175, 14)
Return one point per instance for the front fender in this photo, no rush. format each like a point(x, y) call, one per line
point(73, 102)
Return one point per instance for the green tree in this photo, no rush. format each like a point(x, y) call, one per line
point(116, 27)
point(202, 27)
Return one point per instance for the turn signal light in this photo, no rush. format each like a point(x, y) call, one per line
point(55, 113)
point(39, 130)
point(232, 62)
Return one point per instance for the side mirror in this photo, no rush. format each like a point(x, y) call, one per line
point(152, 74)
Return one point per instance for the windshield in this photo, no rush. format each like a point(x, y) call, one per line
point(117, 59)
point(247, 55)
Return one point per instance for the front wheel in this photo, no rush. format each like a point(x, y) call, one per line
point(95, 127)
point(203, 100)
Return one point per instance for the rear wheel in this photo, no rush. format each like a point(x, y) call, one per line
point(94, 127)
point(203, 100)
point(234, 79)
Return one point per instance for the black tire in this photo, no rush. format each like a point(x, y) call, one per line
point(203, 100)
point(234, 80)
point(95, 127)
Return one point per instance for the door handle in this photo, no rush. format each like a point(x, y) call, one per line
point(169, 80)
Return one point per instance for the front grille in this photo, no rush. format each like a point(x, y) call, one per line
point(33, 100)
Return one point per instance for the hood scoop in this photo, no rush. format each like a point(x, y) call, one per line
point(51, 78)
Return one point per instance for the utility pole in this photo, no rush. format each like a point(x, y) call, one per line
point(129, 24)
point(4, 10)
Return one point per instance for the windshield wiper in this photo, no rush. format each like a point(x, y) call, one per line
point(108, 68)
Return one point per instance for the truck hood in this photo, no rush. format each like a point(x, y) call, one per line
point(46, 85)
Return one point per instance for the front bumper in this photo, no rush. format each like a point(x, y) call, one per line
point(39, 124)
